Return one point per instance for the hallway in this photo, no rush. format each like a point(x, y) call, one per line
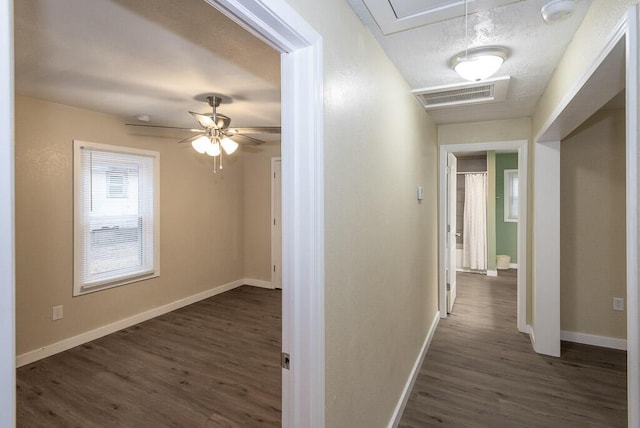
point(481, 372)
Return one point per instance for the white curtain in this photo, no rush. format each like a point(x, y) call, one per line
point(474, 236)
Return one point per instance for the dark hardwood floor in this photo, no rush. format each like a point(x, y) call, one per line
point(480, 372)
point(215, 363)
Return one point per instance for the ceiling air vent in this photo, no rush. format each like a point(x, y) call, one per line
point(486, 91)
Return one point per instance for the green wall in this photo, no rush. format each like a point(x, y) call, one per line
point(506, 232)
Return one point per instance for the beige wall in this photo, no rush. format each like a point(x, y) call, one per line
point(587, 42)
point(592, 220)
point(257, 210)
point(201, 224)
point(485, 132)
point(380, 243)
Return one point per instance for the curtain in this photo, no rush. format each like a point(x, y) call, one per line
point(474, 237)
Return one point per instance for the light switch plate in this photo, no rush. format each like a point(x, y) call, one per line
point(57, 313)
point(618, 303)
point(420, 193)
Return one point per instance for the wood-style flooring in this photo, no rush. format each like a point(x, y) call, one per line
point(215, 363)
point(480, 372)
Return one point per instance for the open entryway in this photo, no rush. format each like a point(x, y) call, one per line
point(467, 240)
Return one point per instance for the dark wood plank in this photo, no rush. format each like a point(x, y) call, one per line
point(481, 372)
point(215, 363)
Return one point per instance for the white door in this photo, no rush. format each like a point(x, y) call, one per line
point(452, 170)
point(276, 223)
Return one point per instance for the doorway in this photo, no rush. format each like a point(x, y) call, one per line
point(303, 234)
point(445, 240)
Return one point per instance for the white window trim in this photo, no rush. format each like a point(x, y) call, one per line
point(78, 287)
point(507, 195)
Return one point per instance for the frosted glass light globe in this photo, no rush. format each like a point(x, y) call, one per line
point(200, 144)
point(229, 145)
point(478, 68)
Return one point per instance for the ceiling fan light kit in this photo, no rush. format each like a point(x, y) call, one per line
point(557, 10)
point(479, 63)
point(215, 136)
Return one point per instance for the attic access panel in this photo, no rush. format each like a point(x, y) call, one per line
point(393, 16)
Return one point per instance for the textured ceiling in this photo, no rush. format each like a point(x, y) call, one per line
point(126, 57)
point(422, 54)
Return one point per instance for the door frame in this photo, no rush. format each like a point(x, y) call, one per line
point(581, 101)
point(274, 236)
point(302, 152)
point(7, 248)
point(521, 146)
point(451, 251)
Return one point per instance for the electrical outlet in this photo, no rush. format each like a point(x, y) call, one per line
point(618, 303)
point(57, 313)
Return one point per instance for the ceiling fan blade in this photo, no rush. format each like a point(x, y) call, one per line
point(191, 138)
point(205, 121)
point(248, 140)
point(256, 130)
point(163, 127)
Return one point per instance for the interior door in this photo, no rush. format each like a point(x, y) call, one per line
point(452, 171)
point(276, 223)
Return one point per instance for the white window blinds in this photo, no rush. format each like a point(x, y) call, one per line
point(116, 216)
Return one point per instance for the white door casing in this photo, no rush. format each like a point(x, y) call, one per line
point(302, 153)
point(7, 252)
point(633, 195)
point(452, 178)
point(276, 223)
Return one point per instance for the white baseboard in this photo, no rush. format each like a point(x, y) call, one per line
point(406, 392)
point(513, 265)
point(257, 283)
point(532, 336)
point(492, 273)
point(63, 345)
point(590, 339)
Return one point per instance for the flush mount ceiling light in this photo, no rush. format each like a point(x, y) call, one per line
point(479, 63)
point(557, 10)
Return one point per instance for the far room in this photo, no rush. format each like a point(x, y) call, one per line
point(148, 229)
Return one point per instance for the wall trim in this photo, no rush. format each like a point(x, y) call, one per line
point(7, 221)
point(71, 342)
point(492, 272)
point(591, 339)
point(513, 265)
point(546, 251)
point(413, 375)
point(632, 244)
point(617, 33)
point(257, 283)
point(302, 153)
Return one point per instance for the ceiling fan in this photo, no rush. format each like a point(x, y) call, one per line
point(215, 135)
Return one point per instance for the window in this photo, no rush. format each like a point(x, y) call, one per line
point(118, 183)
point(511, 204)
point(116, 216)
